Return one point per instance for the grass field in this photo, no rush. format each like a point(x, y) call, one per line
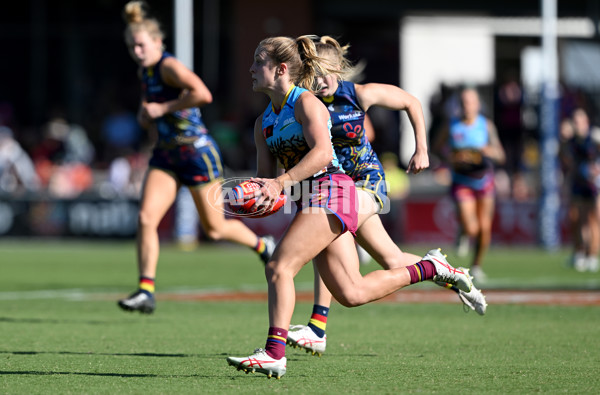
point(62, 332)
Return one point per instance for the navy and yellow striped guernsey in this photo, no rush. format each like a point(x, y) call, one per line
point(353, 149)
point(179, 125)
point(184, 147)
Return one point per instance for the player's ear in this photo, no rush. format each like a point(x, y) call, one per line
point(282, 68)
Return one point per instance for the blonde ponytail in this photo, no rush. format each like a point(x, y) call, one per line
point(300, 55)
point(330, 48)
point(135, 14)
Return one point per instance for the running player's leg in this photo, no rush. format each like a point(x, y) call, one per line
point(485, 215)
point(308, 234)
point(594, 249)
point(311, 336)
point(374, 238)
point(339, 271)
point(485, 203)
point(159, 192)
point(209, 202)
point(466, 211)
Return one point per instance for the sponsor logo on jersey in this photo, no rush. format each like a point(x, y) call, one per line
point(350, 117)
point(287, 122)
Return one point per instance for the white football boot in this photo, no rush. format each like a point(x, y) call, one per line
point(475, 300)
point(304, 337)
point(592, 264)
point(260, 362)
point(446, 273)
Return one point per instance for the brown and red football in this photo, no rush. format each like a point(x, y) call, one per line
point(243, 201)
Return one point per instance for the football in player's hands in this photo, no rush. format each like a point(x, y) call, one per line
point(244, 199)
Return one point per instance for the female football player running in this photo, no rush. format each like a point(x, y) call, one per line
point(294, 130)
point(470, 144)
point(348, 103)
point(184, 154)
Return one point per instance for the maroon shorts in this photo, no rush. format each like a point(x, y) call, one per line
point(336, 194)
point(462, 193)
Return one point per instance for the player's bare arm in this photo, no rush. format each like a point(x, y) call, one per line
point(494, 150)
point(175, 74)
point(394, 98)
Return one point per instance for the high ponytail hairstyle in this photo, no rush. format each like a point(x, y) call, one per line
point(313, 66)
point(331, 49)
point(135, 14)
point(300, 55)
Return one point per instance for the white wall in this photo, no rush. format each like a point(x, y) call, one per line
point(460, 49)
point(435, 50)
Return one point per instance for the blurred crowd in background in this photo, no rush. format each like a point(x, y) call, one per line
point(62, 159)
point(68, 103)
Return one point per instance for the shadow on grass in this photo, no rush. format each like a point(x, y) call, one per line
point(53, 321)
point(116, 354)
point(42, 373)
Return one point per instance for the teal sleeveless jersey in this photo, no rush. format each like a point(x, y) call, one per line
point(285, 138)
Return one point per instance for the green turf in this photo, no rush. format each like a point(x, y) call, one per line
point(62, 332)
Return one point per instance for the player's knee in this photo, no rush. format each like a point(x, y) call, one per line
point(270, 270)
point(218, 228)
point(214, 233)
point(146, 219)
point(351, 298)
point(472, 230)
point(349, 302)
point(486, 227)
point(274, 271)
point(394, 261)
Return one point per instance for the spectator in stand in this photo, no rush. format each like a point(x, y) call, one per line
point(17, 172)
point(509, 99)
point(126, 175)
point(121, 133)
point(123, 142)
point(62, 159)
